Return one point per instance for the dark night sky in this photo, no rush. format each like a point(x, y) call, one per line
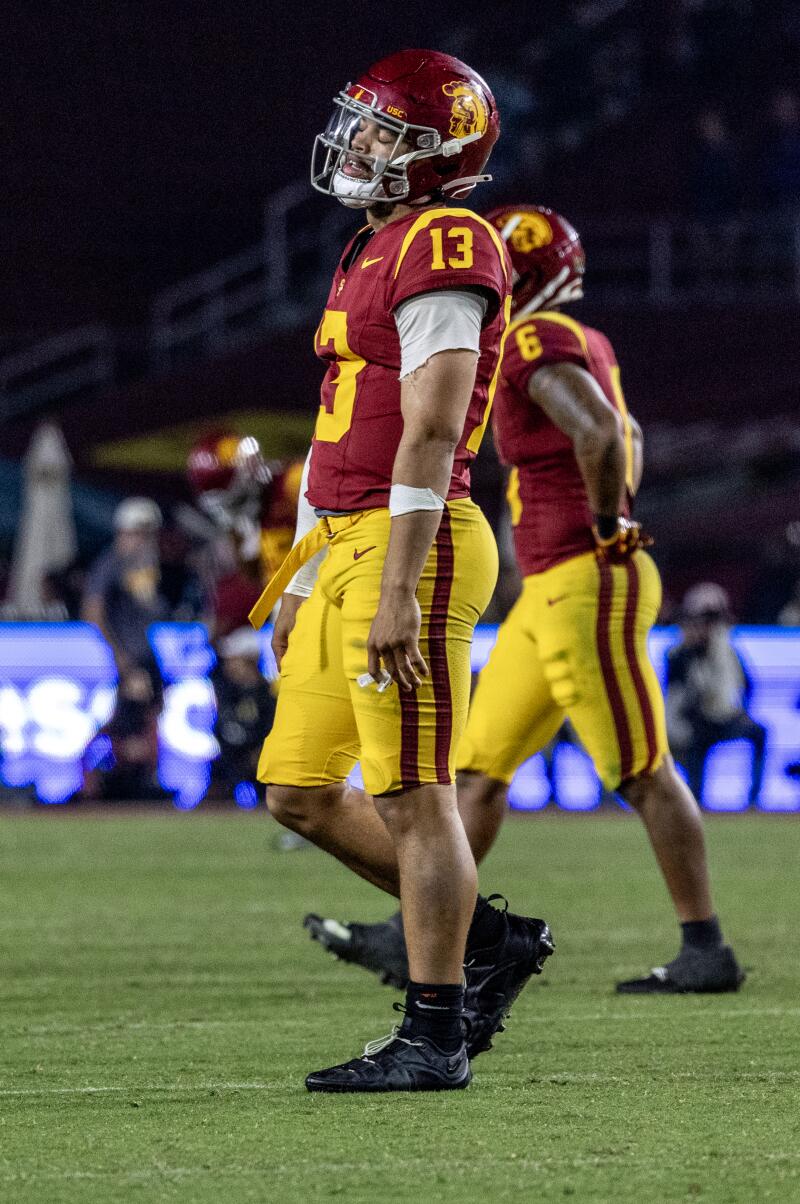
point(142, 138)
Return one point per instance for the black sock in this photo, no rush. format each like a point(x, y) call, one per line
point(702, 934)
point(433, 1010)
point(487, 927)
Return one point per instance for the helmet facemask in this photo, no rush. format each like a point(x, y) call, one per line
point(388, 179)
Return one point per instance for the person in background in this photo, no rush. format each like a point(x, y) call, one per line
point(251, 502)
point(709, 689)
point(123, 593)
point(245, 708)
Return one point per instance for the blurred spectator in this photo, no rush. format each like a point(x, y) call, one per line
point(123, 593)
point(180, 584)
point(126, 767)
point(245, 708)
point(709, 688)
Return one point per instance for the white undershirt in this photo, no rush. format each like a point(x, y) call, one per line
point(443, 320)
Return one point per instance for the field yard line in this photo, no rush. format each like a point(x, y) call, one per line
point(548, 1018)
point(137, 1087)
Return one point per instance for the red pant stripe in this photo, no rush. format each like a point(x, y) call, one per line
point(633, 662)
point(605, 654)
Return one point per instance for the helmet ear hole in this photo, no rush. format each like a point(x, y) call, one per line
point(448, 168)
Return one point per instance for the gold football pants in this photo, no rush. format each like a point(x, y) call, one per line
point(574, 646)
point(325, 721)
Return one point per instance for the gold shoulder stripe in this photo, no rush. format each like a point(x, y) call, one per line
point(563, 320)
point(431, 215)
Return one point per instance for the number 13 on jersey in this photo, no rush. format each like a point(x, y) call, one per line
point(333, 421)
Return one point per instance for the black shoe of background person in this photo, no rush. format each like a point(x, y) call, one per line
point(380, 948)
point(495, 976)
point(693, 971)
point(397, 1063)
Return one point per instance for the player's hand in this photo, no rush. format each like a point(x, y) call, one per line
point(394, 641)
point(284, 624)
point(621, 545)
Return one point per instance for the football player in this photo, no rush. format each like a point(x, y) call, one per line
point(575, 644)
point(253, 499)
point(374, 639)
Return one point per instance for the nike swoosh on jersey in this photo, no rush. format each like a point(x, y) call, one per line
point(357, 555)
point(367, 263)
point(552, 601)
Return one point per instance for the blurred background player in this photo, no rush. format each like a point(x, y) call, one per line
point(575, 643)
point(709, 689)
point(252, 503)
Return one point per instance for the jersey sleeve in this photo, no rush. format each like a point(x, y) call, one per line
point(446, 249)
point(537, 341)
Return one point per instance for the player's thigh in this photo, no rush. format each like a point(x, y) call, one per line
point(593, 643)
point(314, 739)
point(513, 713)
point(409, 738)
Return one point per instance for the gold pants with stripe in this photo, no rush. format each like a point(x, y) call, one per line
point(574, 645)
point(325, 721)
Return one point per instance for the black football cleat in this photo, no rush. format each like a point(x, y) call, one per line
point(380, 948)
point(694, 971)
point(495, 977)
point(397, 1063)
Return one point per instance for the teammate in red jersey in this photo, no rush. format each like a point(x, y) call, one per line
point(374, 644)
point(575, 643)
point(252, 503)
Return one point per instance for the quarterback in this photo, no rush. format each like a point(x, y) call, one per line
point(394, 564)
point(575, 643)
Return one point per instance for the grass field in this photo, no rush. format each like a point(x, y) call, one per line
point(161, 1005)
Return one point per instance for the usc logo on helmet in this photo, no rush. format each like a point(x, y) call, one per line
point(532, 231)
point(469, 114)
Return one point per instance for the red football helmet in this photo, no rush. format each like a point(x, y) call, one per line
point(546, 255)
point(225, 470)
point(443, 122)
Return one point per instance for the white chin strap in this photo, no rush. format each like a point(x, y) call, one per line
point(556, 292)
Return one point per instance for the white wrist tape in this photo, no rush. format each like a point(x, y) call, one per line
point(405, 499)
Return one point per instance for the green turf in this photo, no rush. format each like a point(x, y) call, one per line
point(161, 1005)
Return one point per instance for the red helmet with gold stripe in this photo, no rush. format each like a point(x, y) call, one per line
point(546, 255)
point(443, 123)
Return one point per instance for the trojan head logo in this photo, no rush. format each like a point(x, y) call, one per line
point(529, 232)
point(469, 114)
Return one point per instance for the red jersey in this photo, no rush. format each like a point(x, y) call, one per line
point(360, 422)
point(549, 505)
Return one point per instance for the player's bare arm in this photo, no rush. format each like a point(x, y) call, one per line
point(284, 624)
point(434, 402)
point(572, 399)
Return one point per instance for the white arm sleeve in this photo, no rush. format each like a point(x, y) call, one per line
point(443, 320)
point(303, 581)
